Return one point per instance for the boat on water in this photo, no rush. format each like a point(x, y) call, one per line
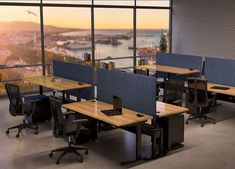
point(78, 46)
point(115, 42)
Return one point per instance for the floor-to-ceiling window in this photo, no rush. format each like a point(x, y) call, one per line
point(67, 33)
point(114, 36)
point(20, 47)
point(120, 32)
point(152, 24)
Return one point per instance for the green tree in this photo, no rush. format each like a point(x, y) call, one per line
point(163, 41)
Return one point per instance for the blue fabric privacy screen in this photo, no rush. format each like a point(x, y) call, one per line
point(137, 92)
point(76, 72)
point(220, 71)
point(178, 60)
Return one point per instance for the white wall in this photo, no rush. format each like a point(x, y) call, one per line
point(204, 27)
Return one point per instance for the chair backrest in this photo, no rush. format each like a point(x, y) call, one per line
point(197, 92)
point(173, 90)
point(56, 111)
point(16, 102)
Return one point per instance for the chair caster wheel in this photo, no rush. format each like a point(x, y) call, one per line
point(186, 122)
point(7, 132)
point(86, 152)
point(202, 125)
point(36, 132)
point(17, 135)
point(57, 162)
point(214, 122)
point(50, 155)
point(80, 160)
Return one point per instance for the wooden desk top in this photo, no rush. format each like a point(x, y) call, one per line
point(2, 90)
point(93, 109)
point(169, 109)
point(168, 69)
point(58, 83)
point(230, 91)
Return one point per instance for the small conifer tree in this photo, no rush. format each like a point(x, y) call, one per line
point(163, 41)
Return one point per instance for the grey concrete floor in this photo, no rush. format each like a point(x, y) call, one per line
point(211, 147)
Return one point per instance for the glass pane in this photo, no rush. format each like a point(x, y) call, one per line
point(114, 2)
point(113, 35)
point(68, 1)
point(24, 86)
point(116, 63)
point(150, 25)
point(20, 41)
point(159, 3)
point(21, 1)
point(67, 34)
point(19, 73)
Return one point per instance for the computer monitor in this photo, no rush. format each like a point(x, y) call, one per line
point(117, 104)
point(117, 107)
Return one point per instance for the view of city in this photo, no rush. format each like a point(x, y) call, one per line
point(67, 36)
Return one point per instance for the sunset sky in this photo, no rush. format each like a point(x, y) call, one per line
point(80, 17)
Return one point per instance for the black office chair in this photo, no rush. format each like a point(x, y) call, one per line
point(197, 101)
point(69, 128)
point(173, 92)
point(212, 96)
point(19, 108)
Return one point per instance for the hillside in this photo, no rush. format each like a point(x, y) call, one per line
point(30, 26)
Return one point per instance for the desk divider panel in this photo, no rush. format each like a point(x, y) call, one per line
point(137, 92)
point(220, 71)
point(179, 60)
point(77, 72)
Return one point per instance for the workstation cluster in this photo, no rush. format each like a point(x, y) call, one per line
point(85, 93)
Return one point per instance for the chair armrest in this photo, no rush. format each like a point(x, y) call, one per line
point(80, 121)
point(31, 101)
point(68, 113)
point(210, 102)
point(28, 108)
point(169, 94)
point(177, 101)
point(160, 96)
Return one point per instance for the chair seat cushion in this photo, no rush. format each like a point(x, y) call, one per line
point(35, 97)
point(42, 111)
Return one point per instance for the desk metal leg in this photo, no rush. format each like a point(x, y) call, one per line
point(138, 142)
point(138, 146)
point(40, 89)
point(63, 97)
point(53, 92)
point(93, 128)
point(147, 72)
point(169, 76)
